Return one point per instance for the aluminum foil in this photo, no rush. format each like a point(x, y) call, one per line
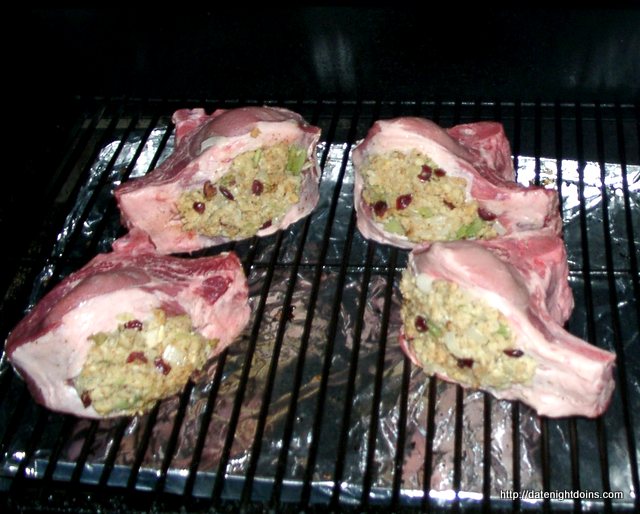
point(93, 224)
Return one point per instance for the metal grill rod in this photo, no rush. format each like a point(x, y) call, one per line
point(621, 366)
point(515, 407)
point(109, 462)
point(402, 417)
point(353, 367)
point(237, 406)
point(458, 428)
point(108, 135)
point(246, 367)
point(586, 267)
point(427, 501)
point(326, 364)
point(42, 413)
point(275, 500)
point(631, 230)
point(635, 280)
point(271, 375)
point(377, 391)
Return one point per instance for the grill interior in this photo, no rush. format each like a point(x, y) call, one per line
point(307, 285)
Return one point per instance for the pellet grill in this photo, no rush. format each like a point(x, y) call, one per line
point(315, 408)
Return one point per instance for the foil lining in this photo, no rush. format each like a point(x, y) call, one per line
point(93, 224)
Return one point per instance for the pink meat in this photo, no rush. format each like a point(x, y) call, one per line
point(541, 258)
point(205, 146)
point(49, 346)
point(525, 278)
point(477, 152)
point(488, 146)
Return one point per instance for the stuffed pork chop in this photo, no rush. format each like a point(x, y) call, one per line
point(233, 174)
point(416, 182)
point(128, 329)
point(489, 315)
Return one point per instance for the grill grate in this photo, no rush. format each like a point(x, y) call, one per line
point(51, 460)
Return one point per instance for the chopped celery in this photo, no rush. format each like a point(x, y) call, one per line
point(461, 233)
point(435, 329)
point(228, 180)
point(470, 230)
point(476, 227)
point(256, 157)
point(295, 159)
point(503, 331)
point(425, 212)
point(394, 226)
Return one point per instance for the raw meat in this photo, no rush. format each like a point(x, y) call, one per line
point(205, 146)
point(476, 152)
point(488, 147)
point(49, 346)
point(541, 259)
point(524, 278)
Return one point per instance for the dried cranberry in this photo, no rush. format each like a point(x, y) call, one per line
point(449, 204)
point(425, 173)
point(134, 324)
point(486, 215)
point(465, 363)
point(199, 207)
point(162, 366)
point(136, 357)
point(86, 398)
point(421, 324)
point(440, 172)
point(380, 207)
point(257, 187)
point(226, 193)
point(209, 190)
point(403, 201)
point(266, 224)
point(513, 352)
